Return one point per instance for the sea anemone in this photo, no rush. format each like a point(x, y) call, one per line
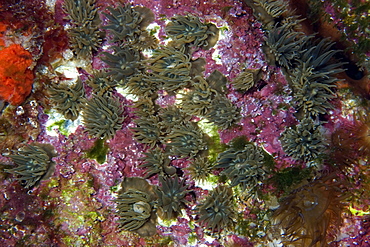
point(81, 12)
point(311, 215)
point(243, 167)
point(145, 41)
point(147, 131)
point(135, 205)
point(275, 8)
point(200, 169)
point(312, 97)
point(157, 162)
point(33, 163)
point(313, 83)
point(198, 100)
point(84, 35)
point(123, 63)
point(171, 197)
point(223, 113)
point(170, 117)
point(141, 85)
point(189, 30)
point(318, 56)
point(123, 23)
point(186, 140)
point(284, 44)
point(246, 79)
point(217, 212)
point(127, 23)
point(101, 82)
point(144, 107)
point(169, 67)
point(68, 99)
point(304, 141)
point(84, 40)
point(102, 116)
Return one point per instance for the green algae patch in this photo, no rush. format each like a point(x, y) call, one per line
point(61, 126)
point(214, 142)
point(78, 215)
point(290, 176)
point(98, 151)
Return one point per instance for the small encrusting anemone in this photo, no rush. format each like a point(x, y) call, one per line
point(189, 30)
point(127, 23)
point(84, 35)
point(246, 79)
point(171, 197)
point(102, 116)
point(311, 215)
point(200, 169)
point(157, 162)
point(68, 99)
point(123, 63)
point(243, 167)
point(33, 163)
point(135, 205)
point(186, 140)
point(304, 141)
point(217, 212)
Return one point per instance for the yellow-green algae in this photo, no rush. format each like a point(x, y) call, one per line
point(77, 209)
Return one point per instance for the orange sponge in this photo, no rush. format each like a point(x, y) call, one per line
point(15, 76)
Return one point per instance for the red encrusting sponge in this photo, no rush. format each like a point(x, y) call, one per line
point(15, 76)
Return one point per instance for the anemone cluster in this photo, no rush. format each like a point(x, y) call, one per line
point(34, 163)
point(170, 133)
point(171, 98)
point(308, 63)
point(310, 67)
point(68, 99)
point(84, 34)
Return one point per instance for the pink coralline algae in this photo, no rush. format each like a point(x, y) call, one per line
point(248, 172)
